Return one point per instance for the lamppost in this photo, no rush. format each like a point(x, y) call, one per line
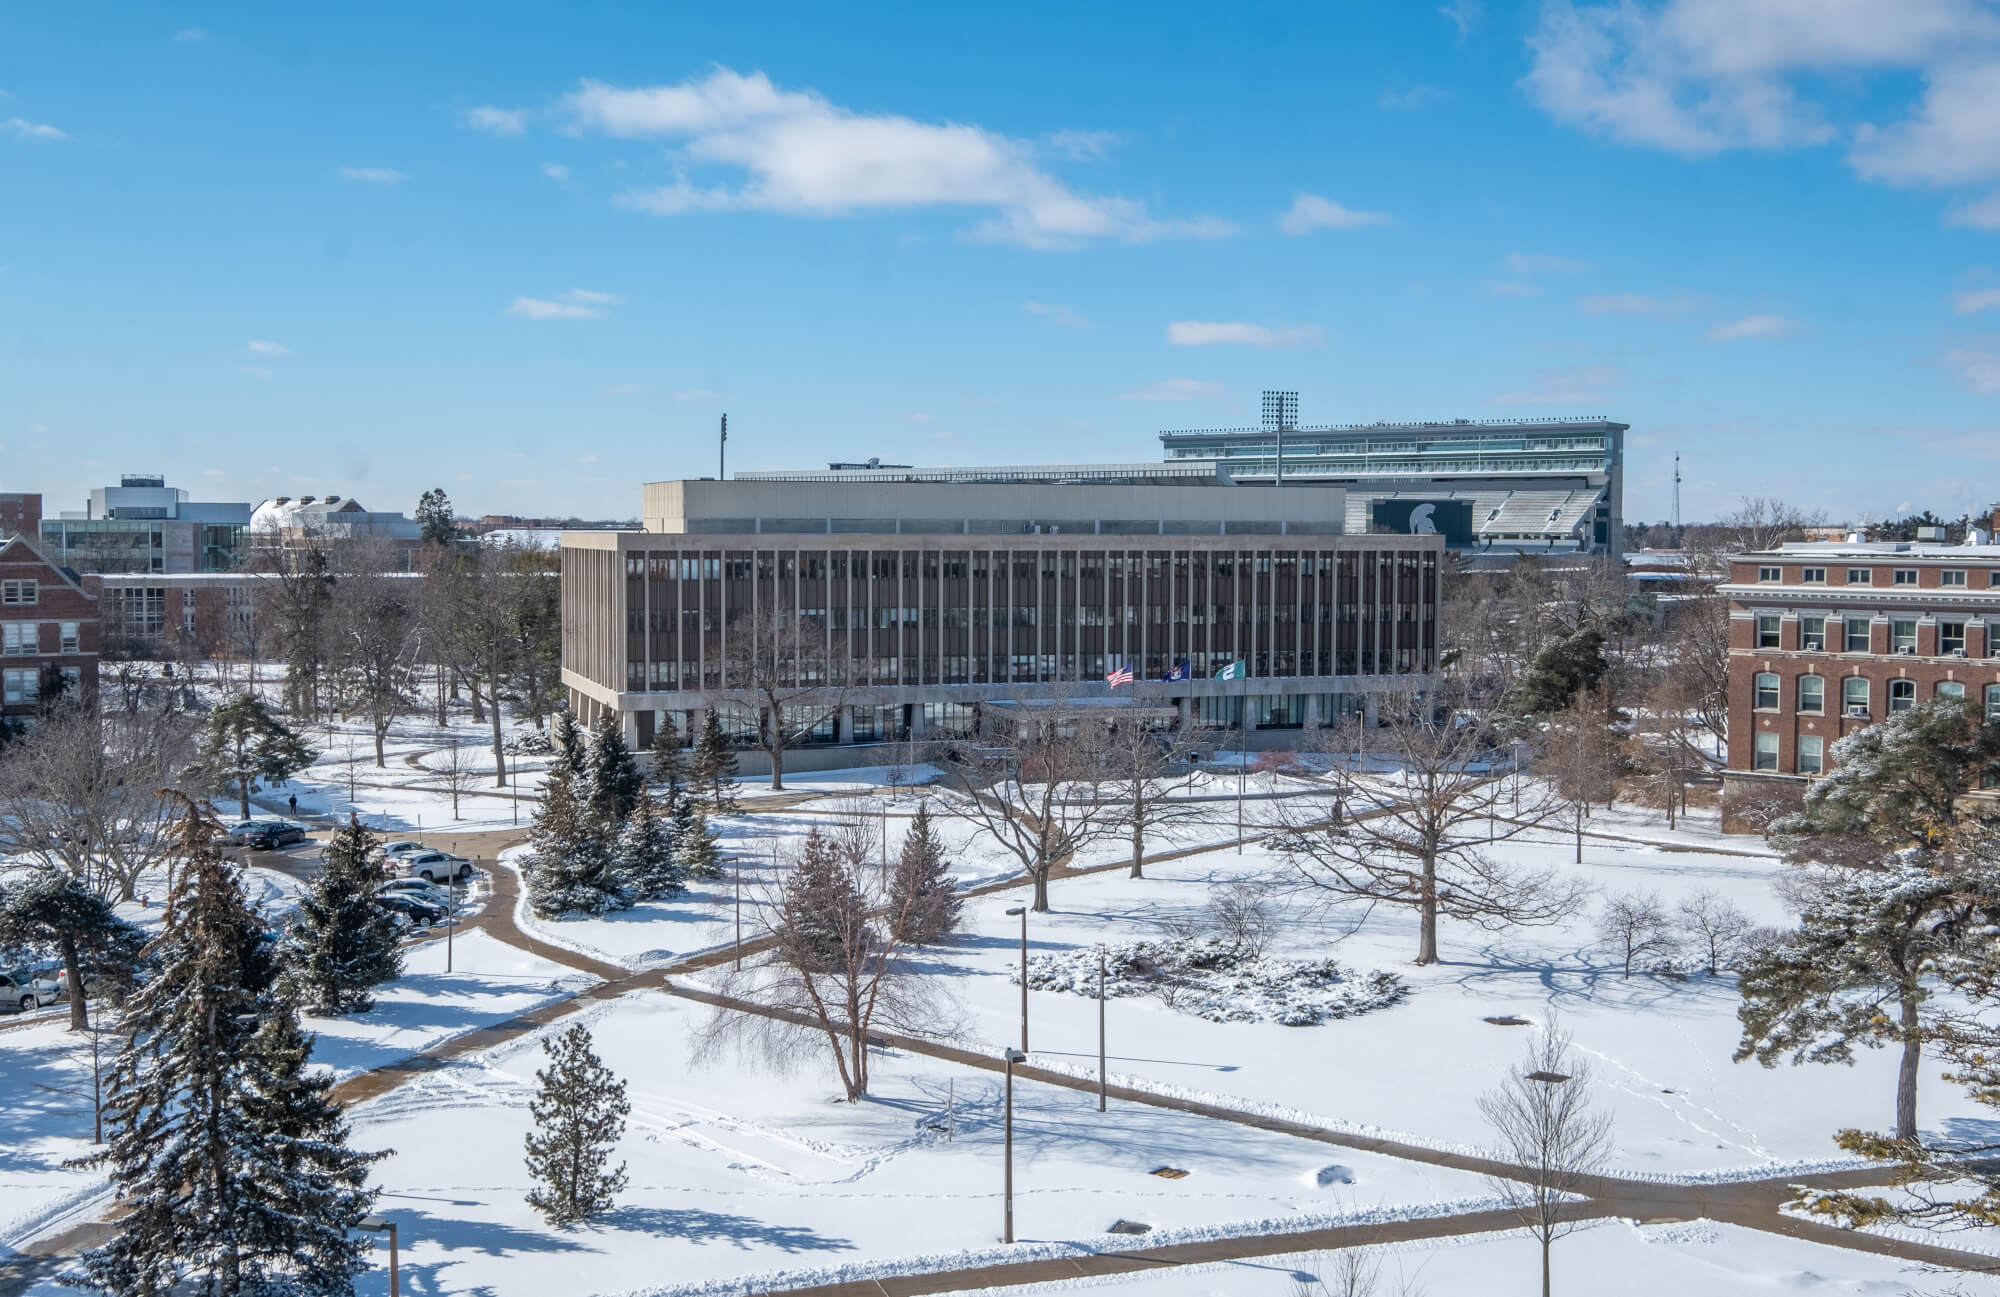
point(1100, 1028)
point(1022, 910)
point(451, 905)
point(1517, 776)
point(1012, 1056)
point(376, 1224)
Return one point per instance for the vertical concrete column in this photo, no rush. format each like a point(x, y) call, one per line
point(1249, 713)
point(628, 721)
point(916, 721)
point(1185, 706)
point(1312, 718)
point(843, 724)
point(1371, 710)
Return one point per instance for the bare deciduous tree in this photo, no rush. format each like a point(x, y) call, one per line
point(789, 668)
point(378, 645)
point(1636, 927)
point(1426, 846)
point(1716, 929)
point(1579, 760)
point(1151, 771)
point(456, 771)
point(1549, 1131)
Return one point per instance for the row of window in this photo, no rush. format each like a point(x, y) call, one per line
point(23, 685)
point(1854, 635)
point(1809, 760)
point(1854, 694)
point(24, 638)
point(1950, 576)
point(19, 592)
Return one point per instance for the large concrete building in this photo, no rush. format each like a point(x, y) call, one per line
point(144, 525)
point(1826, 638)
point(904, 608)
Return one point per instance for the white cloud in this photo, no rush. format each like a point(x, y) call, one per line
point(1544, 263)
point(28, 130)
point(190, 36)
point(262, 347)
point(585, 295)
point(628, 389)
point(555, 171)
point(1205, 333)
point(1975, 301)
point(1057, 314)
point(537, 308)
point(1310, 212)
point(498, 121)
point(795, 152)
point(1584, 386)
point(1979, 368)
point(372, 175)
point(1082, 146)
point(1463, 15)
point(1634, 304)
point(1176, 389)
point(698, 394)
point(1417, 96)
point(1752, 326)
point(1512, 288)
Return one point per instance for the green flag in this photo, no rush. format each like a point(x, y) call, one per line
point(1234, 671)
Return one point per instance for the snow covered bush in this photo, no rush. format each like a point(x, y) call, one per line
point(1221, 982)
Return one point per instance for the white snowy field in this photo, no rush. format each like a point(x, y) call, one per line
point(1614, 1256)
point(409, 792)
point(739, 1169)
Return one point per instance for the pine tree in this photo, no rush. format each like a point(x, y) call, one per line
point(344, 944)
point(670, 763)
point(715, 767)
point(1559, 670)
point(244, 743)
point(571, 751)
point(52, 908)
point(695, 851)
point(615, 782)
point(647, 863)
point(231, 1164)
point(569, 867)
point(579, 1117)
point(823, 912)
point(923, 899)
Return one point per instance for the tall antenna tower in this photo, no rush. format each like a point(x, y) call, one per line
point(722, 453)
point(1677, 495)
point(1281, 414)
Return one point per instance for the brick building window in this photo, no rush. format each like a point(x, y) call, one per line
point(1812, 693)
point(1767, 632)
point(1812, 754)
point(1951, 689)
point(20, 686)
point(1903, 635)
point(1856, 640)
point(70, 642)
point(19, 593)
point(1766, 691)
point(1812, 634)
point(1902, 695)
point(1812, 575)
point(1854, 696)
point(1764, 752)
point(1860, 576)
point(1770, 575)
point(1993, 702)
point(20, 638)
point(1951, 638)
point(1952, 576)
point(1904, 576)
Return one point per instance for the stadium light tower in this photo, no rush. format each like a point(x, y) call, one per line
point(1281, 412)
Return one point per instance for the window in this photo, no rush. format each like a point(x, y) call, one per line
point(1765, 754)
point(1903, 635)
point(1812, 575)
point(1902, 695)
point(1903, 576)
point(1951, 639)
point(1767, 632)
point(1951, 689)
point(1812, 754)
point(1860, 576)
point(1812, 634)
point(69, 638)
point(1766, 691)
point(1951, 576)
point(1812, 693)
point(1770, 575)
point(22, 685)
point(1993, 702)
point(1993, 639)
point(1857, 635)
point(20, 638)
point(1854, 696)
point(19, 592)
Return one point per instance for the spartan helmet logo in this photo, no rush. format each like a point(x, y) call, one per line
point(1420, 520)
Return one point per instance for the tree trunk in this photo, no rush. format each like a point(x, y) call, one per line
point(73, 970)
point(1546, 1240)
point(499, 752)
point(380, 764)
point(1138, 842)
point(1906, 1075)
point(1579, 833)
point(1427, 913)
point(243, 794)
point(1041, 873)
point(776, 747)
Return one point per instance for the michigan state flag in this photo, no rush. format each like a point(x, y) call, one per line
point(1234, 671)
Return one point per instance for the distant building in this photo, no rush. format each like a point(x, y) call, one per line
point(144, 525)
point(20, 514)
point(287, 522)
point(48, 631)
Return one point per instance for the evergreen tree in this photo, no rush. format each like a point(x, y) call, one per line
point(1894, 785)
point(923, 899)
point(230, 1163)
point(571, 749)
point(1559, 670)
point(434, 515)
point(715, 767)
point(670, 763)
point(615, 782)
point(579, 1117)
point(695, 851)
point(823, 912)
point(53, 909)
point(244, 743)
point(344, 944)
point(569, 868)
point(647, 862)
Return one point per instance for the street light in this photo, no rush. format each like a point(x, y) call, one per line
point(1100, 1028)
point(1022, 910)
point(376, 1224)
point(1012, 1056)
point(451, 905)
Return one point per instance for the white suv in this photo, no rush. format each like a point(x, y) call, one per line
point(25, 991)
point(431, 866)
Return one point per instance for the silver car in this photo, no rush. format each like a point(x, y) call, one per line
point(22, 991)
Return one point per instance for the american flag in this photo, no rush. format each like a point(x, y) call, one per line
point(1118, 676)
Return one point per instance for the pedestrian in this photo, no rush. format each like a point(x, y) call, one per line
point(293, 802)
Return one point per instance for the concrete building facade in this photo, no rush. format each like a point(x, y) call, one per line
point(144, 525)
point(902, 609)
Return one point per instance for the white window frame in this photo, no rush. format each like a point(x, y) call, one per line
point(23, 592)
point(1777, 630)
point(1903, 576)
point(1819, 707)
point(20, 639)
point(1848, 702)
point(1861, 576)
point(1903, 690)
point(1764, 750)
point(71, 637)
point(1815, 764)
point(1953, 576)
point(1849, 626)
point(1950, 689)
point(1766, 684)
point(1812, 576)
point(1770, 575)
point(1807, 634)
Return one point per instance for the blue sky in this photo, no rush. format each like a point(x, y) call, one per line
point(530, 253)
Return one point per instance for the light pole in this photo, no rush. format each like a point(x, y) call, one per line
point(1100, 1028)
point(376, 1224)
point(1242, 759)
point(451, 905)
point(1022, 910)
point(1517, 776)
point(737, 874)
point(1013, 1056)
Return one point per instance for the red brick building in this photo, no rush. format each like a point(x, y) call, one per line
point(48, 629)
point(20, 514)
point(1826, 638)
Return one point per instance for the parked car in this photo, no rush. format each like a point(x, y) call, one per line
point(431, 866)
point(22, 991)
point(421, 914)
point(265, 835)
point(429, 893)
point(391, 851)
